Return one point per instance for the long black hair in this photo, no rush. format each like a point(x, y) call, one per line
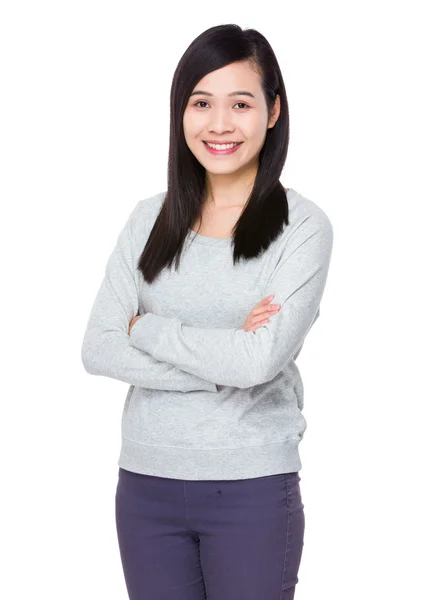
point(266, 210)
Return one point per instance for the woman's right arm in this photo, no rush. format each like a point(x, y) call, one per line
point(105, 348)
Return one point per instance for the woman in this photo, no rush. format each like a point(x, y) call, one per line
point(208, 502)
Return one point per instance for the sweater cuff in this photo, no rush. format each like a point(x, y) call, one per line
point(146, 331)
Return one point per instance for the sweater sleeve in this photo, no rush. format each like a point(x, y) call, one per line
point(105, 348)
point(237, 358)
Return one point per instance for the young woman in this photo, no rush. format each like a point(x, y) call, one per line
point(206, 302)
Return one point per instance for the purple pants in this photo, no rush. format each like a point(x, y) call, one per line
point(210, 540)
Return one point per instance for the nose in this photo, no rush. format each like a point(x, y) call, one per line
point(220, 121)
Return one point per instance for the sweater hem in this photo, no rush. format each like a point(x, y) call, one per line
point(177, 462)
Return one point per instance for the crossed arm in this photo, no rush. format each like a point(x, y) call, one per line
point(106, 349)
point(234, 357)
point(164, 353)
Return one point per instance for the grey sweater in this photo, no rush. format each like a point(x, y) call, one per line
point(206, 399)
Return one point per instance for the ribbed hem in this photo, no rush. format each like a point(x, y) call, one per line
point(213, 464)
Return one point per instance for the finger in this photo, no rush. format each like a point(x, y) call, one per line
point(266, 300)
point(260, 323)
point(264, 309)
point(259, 319)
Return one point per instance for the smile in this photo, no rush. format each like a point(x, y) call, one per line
point(223, 148)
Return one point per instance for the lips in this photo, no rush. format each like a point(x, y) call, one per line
point(216, 152)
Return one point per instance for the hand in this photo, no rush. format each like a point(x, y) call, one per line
point(260, 314)
point(132, 323)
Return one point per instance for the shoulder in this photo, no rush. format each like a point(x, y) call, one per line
point(309, 231)
point(145, 212)
point(306, 214)
point(148, 208)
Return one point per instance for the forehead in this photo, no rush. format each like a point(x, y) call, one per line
point(236, 76)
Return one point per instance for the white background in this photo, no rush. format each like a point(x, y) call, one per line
point(84, 137)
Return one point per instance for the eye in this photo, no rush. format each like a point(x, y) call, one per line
point(204, 102)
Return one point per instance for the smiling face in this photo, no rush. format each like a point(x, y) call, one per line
point(228, 105)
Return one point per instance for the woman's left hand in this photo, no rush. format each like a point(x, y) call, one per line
point(132, 323)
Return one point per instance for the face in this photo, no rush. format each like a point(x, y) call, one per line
point(228, 105)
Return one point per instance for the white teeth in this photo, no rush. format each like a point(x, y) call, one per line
point(222, 146)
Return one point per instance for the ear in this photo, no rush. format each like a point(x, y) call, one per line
point(275, 112)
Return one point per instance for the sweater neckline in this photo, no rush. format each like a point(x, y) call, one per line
point(206, 240)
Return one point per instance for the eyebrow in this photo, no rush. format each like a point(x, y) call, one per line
point(237, 93)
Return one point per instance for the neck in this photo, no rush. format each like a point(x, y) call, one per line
point(226, 191)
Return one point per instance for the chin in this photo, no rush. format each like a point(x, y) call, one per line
point(221, 171)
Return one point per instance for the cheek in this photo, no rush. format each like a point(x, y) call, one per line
point(254, 128)
point(188, 125)
point(192, 126)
